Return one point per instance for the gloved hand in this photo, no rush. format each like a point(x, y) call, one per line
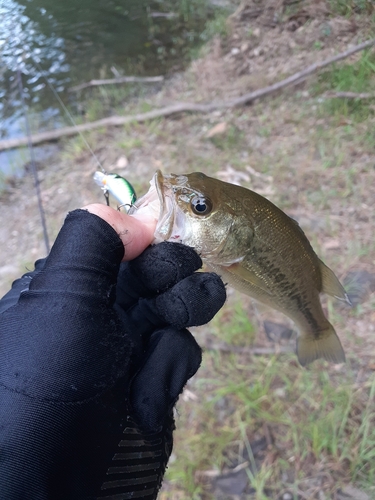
point(93, 357)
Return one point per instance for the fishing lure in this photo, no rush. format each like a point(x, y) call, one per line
point(118, 187)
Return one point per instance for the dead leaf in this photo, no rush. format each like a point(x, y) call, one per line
point(331, 244)
point(218, 129)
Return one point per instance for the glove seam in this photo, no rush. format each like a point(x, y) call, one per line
point(54, 401)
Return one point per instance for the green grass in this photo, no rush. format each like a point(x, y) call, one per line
point(349, 7)
point(230, 140)
point(238, 329)
point(74, 147)
point(357, 77)
point(129, 143)
point(218, 26)
point(315, 416)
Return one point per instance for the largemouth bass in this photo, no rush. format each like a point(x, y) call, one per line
point(252, 245)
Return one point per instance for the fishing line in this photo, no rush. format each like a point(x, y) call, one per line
point(119, 187)
point(32, 161)
point(67, 112)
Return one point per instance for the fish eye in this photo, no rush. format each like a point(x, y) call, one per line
point(201, 205)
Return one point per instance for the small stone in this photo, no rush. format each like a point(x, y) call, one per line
point(279, 392)
point(256, 32)
point(277, 331)
point(235, 51)
point(257, 51)
point(232, 483)
point(287, 496)
point(122, 162)
point(352, 493)
point(358, 285)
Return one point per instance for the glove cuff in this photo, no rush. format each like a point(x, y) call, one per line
point(139, 463)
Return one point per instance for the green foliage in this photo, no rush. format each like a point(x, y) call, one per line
point(236, 328)
point(129, 143)
point(358, 77)
point(346, 8)
point(318, 45)
point(217, 26)
point(9, 175)
point(76, 146)
point(3, 180)
point(191, 9)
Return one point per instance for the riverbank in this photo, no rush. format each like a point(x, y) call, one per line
point(313, 156)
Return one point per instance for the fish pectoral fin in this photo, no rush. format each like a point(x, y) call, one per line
point(331, 284)
point(247, 275)
point(325, 345)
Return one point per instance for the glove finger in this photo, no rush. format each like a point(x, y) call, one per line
point(193, 301)
point(157, 269)
point(172, 357)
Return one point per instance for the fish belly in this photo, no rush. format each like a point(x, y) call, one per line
point(317, 337)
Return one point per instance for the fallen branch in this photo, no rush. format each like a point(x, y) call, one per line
point(349, 95)
point(114, 121)
point(301, 75)
point(182, 107)
point(115, 81)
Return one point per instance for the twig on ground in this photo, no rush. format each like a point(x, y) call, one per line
point(115, 81)
point(349, 95)
point(182, 107)
point(166, 15)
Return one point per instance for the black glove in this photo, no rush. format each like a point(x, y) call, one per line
point(93, 357)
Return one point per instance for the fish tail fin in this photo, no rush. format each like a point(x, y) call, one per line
point(325, 344)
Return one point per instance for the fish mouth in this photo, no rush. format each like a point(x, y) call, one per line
point(160, 203)
point(167, 209)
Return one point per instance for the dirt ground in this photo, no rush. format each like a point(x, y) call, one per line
point(316, 167)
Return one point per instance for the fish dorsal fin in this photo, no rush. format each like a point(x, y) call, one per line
point(331, 285)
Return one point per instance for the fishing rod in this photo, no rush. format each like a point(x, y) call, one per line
point(32, 162)
point(110, 183)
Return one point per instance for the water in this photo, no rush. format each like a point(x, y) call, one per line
point(71, 42)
